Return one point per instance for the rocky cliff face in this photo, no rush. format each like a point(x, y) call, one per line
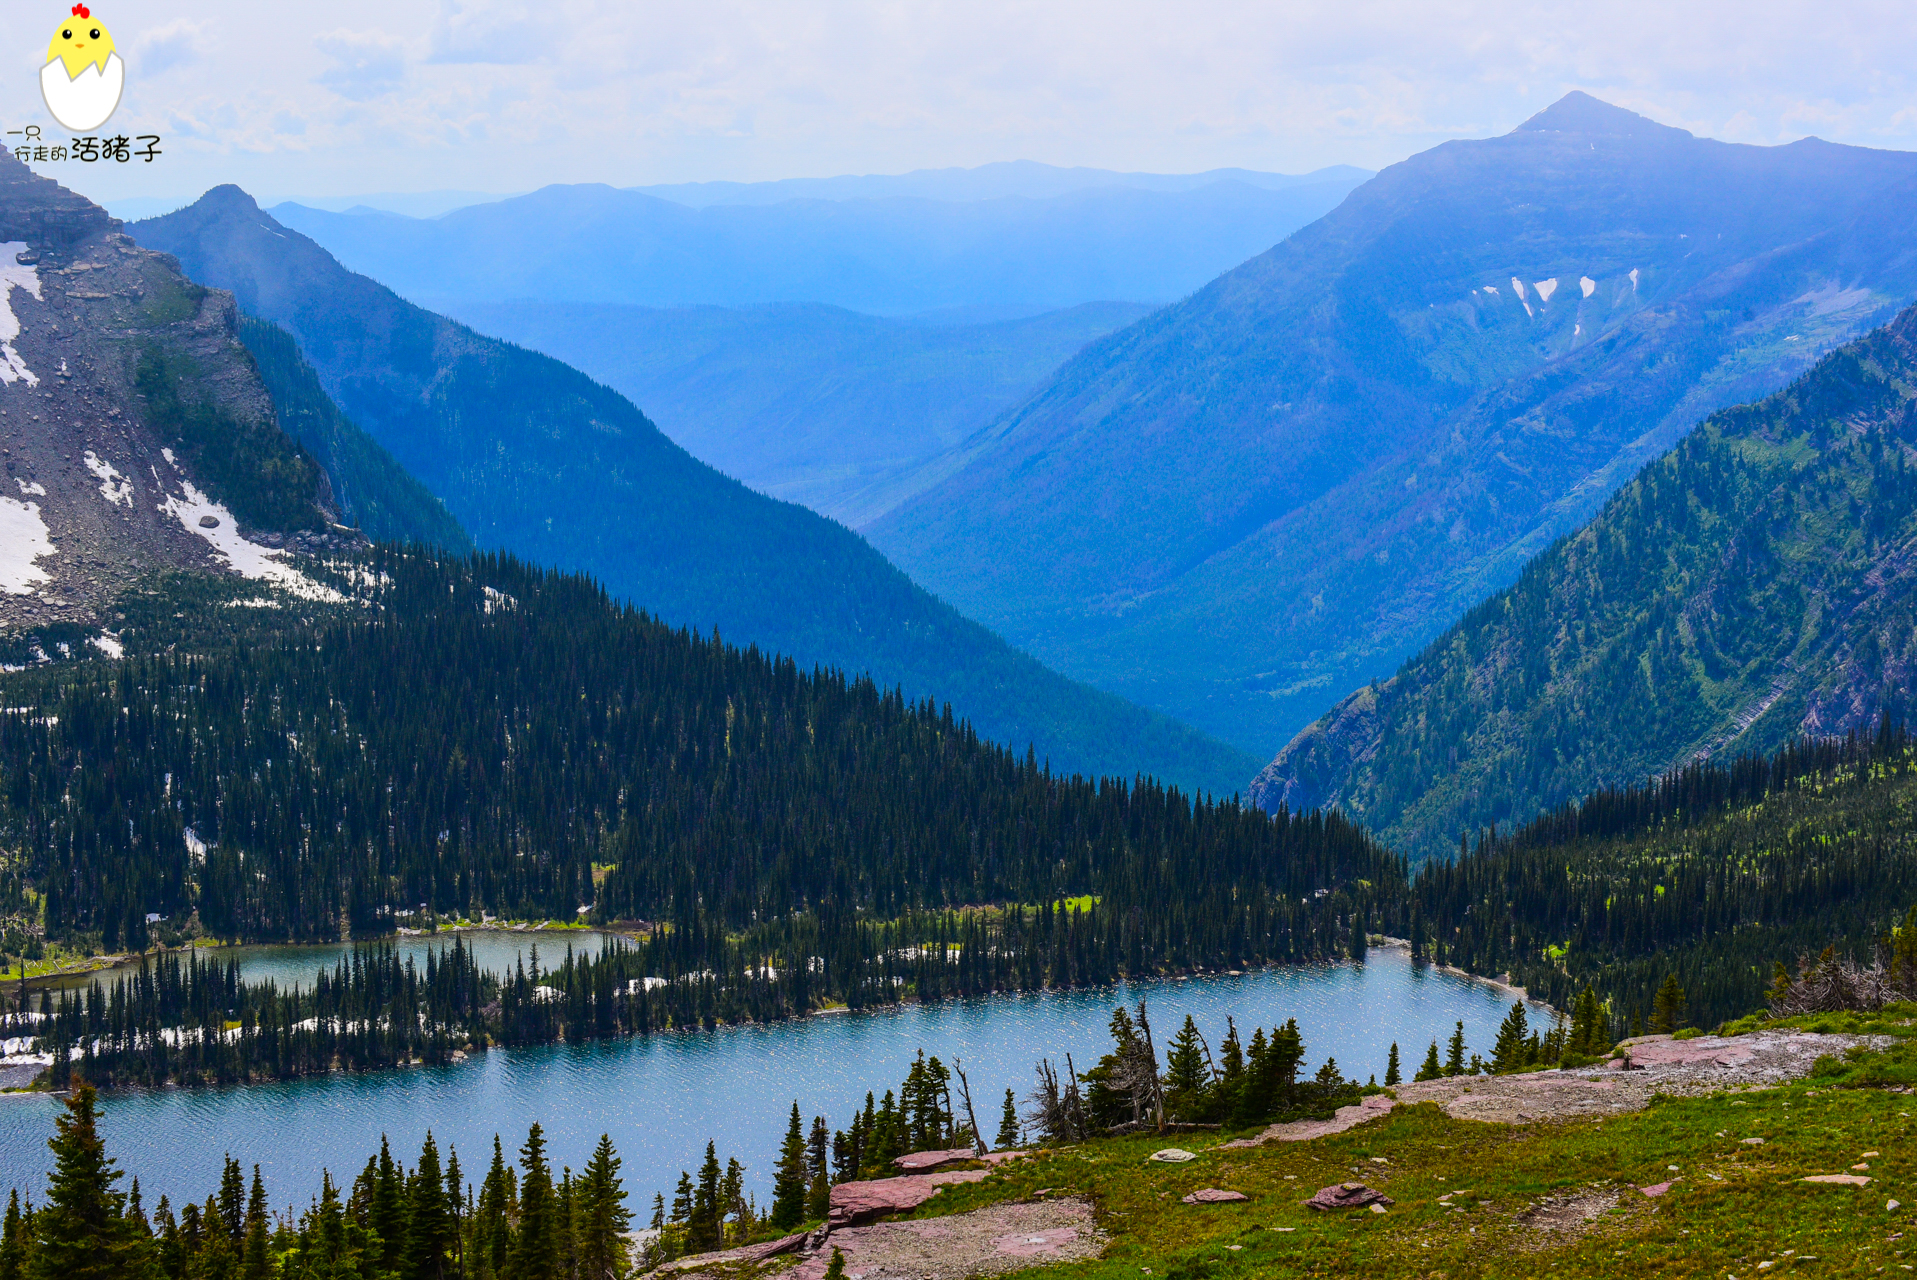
point(135, 434)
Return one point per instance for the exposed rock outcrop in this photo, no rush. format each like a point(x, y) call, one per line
point(135, 433)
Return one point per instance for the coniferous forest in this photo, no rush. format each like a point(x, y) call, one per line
point(1714, 874)
point(485, 738)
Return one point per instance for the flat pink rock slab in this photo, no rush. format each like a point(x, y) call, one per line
point(1212, 1195)
point(922, 1161)
point(1369, 1108)
point(857, 1201)
point(1839, 1179)
point(1655, 1189)
point(1662, 1051)
point(1038, 1244)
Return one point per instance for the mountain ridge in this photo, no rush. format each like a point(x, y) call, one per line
point(533, 456)
point(136, 435)
point(1287, 483)
point(1756, 583)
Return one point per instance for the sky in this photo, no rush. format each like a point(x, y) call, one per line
point(354, 96)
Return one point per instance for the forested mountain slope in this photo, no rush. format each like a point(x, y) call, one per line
point(532, 456)
point(1286, 484)
point(477, 736)
point(1715, 873)
point(1756, 583)
point(372, 489)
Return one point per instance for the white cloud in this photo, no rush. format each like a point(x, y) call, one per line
point(365, 64)
point(358, 95)
point(505, 35)
point(179, 43)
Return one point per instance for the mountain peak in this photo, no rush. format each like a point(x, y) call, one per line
point(1579, 112)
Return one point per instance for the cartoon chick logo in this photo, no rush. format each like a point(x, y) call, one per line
point(83, 76)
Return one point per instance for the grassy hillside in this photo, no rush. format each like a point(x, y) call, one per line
point(1754, 584)
point(533, 457)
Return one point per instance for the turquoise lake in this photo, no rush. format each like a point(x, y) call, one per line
point(662, 1097)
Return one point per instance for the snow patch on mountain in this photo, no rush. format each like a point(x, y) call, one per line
point(207, 519)
point(23, 541)
point(14, 274)
point(1546, 288)
point(114, 487)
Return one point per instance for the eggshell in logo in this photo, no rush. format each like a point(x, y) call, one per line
point(84, 102)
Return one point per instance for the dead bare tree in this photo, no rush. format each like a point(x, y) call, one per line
point(965, 1094)
point(1832, 985)
point(1151, 1058)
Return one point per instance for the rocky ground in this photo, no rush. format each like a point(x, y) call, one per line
point(1010, 1236)
point(1650, 1065)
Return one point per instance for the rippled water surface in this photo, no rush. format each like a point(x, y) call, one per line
point(662, 1097)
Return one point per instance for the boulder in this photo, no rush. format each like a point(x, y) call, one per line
point(1212, 1195)
point(1171, 1155)
point(1656, 1189)
point(1347, 1195)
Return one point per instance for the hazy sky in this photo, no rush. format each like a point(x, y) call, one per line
point(352, 96)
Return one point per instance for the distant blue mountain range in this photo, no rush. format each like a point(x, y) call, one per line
point(1003, 236)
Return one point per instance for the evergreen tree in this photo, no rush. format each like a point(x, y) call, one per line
point(1187, 1074)
point(1393, 1077)
point(603, 1215)
point(789, 1180)
point(682, 1199)
point(233, 1200)
point(1007, 1139)
point(819, 1193)
point(1589, 1035)
point(1780, 983)
point(1667, 1008)
point(1231, 1071)
point(13, 1240)
point(1509, 1052)
point(1431, 1069)
point(835, 1269)
point(81, 1233)
point(566, 1215)
point(536, 1244)
point(493, 1216)
point(218, 1253)
point(1454, 1055)
point(431, 1230)
point(886, 1145)
point(1254, 1100)
point(705, 1230)
point(732, 1200)
point(455, 1201)
point(256, 1258)
point(386, 1208)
